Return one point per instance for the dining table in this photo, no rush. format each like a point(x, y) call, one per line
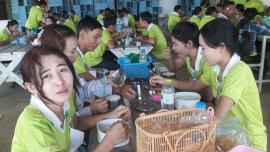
point(10, 57)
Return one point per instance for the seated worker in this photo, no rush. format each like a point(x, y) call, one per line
point(101, 16)
point(131, 20)
point(175, 17)
point(228, 11)
point(101, 88)
point(155, 36)
point(34, 20)
point(68, 21)
point(9, 33)
point(196, 16)
point(101, 57)
point(210, 14)
point(90, 31)
point(185, 45)
point(49, 122)
point(75, 18)
point(231, 80)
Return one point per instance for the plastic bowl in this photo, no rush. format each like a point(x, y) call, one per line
point(101, 125)
point(186, 99)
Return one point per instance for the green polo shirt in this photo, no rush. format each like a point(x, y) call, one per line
point(95, 57)
point(79, 65)
point(34, 17)
point(258, 4)
point(100, 18)
point(173, 19)
point(76, 19)
point(69, 23)
point(131, 21)
point(4, 35)
point(240, 86)
point(160, 41)
point(202, 67)
point(35, 132)
point(205, 19)
point(195, 19)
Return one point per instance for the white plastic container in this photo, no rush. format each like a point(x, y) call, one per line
point(186, 99)
point(106, 123)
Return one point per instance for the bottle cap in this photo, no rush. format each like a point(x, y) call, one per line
point(201, 105)
point(168, 81)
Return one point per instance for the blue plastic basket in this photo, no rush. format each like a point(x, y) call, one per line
point(135, 70)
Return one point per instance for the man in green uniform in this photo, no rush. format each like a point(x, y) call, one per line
point(155, 36)
point(175, 17)
point(34, 20)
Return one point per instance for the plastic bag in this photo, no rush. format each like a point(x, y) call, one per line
point(230, 134)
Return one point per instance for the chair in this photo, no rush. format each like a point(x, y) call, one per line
point(261, 63)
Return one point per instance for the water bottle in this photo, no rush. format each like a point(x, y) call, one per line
point(143, 56)
point(118, 25)
point(202, 116)
point(167, 95)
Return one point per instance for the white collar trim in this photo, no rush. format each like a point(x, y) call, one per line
point(198, 59)
point(234, 60)
point(80, 52)
point(149, 27)
point(221, 15)
point(37, 103)
point(195, 16)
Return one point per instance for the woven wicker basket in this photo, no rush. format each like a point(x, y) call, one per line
point(179, 136)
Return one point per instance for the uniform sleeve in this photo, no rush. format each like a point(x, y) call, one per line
point(234, 85)
point(106, 37)
point(79, 66)
point(152, 33)
point(98, 88)
point(97, 53)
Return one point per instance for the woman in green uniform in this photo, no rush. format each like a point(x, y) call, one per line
point(231, 79)
point(45, 124)
point(9, 33)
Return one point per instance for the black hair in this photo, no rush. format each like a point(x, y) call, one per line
point(177, 7)
point(228, 3)
point(220, 5)
point(146, 16)
point(220, 30)
point(101, 11)
point(124, 10)
point(72, 11)
point(52, 19)
point(249, 15)
point(107, 9)
point(12, 23)
point(31, 67)
point(210, 10)
point(196, 10)
point(64, 14)
point(186, 31)
point(107, 21)
point(240, 7)
point(88, 23)
point(41, 2)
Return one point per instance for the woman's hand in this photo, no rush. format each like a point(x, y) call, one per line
point(127, 92)
point(120, 112)
point(99, 106)
point(117, 134)
point(156, 80)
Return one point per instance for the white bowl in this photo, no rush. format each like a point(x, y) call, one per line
point(106, 123)
point(186, 99)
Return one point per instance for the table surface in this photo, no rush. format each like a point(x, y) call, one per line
point(11, 48)
point(119, 52)
point(131, 147)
